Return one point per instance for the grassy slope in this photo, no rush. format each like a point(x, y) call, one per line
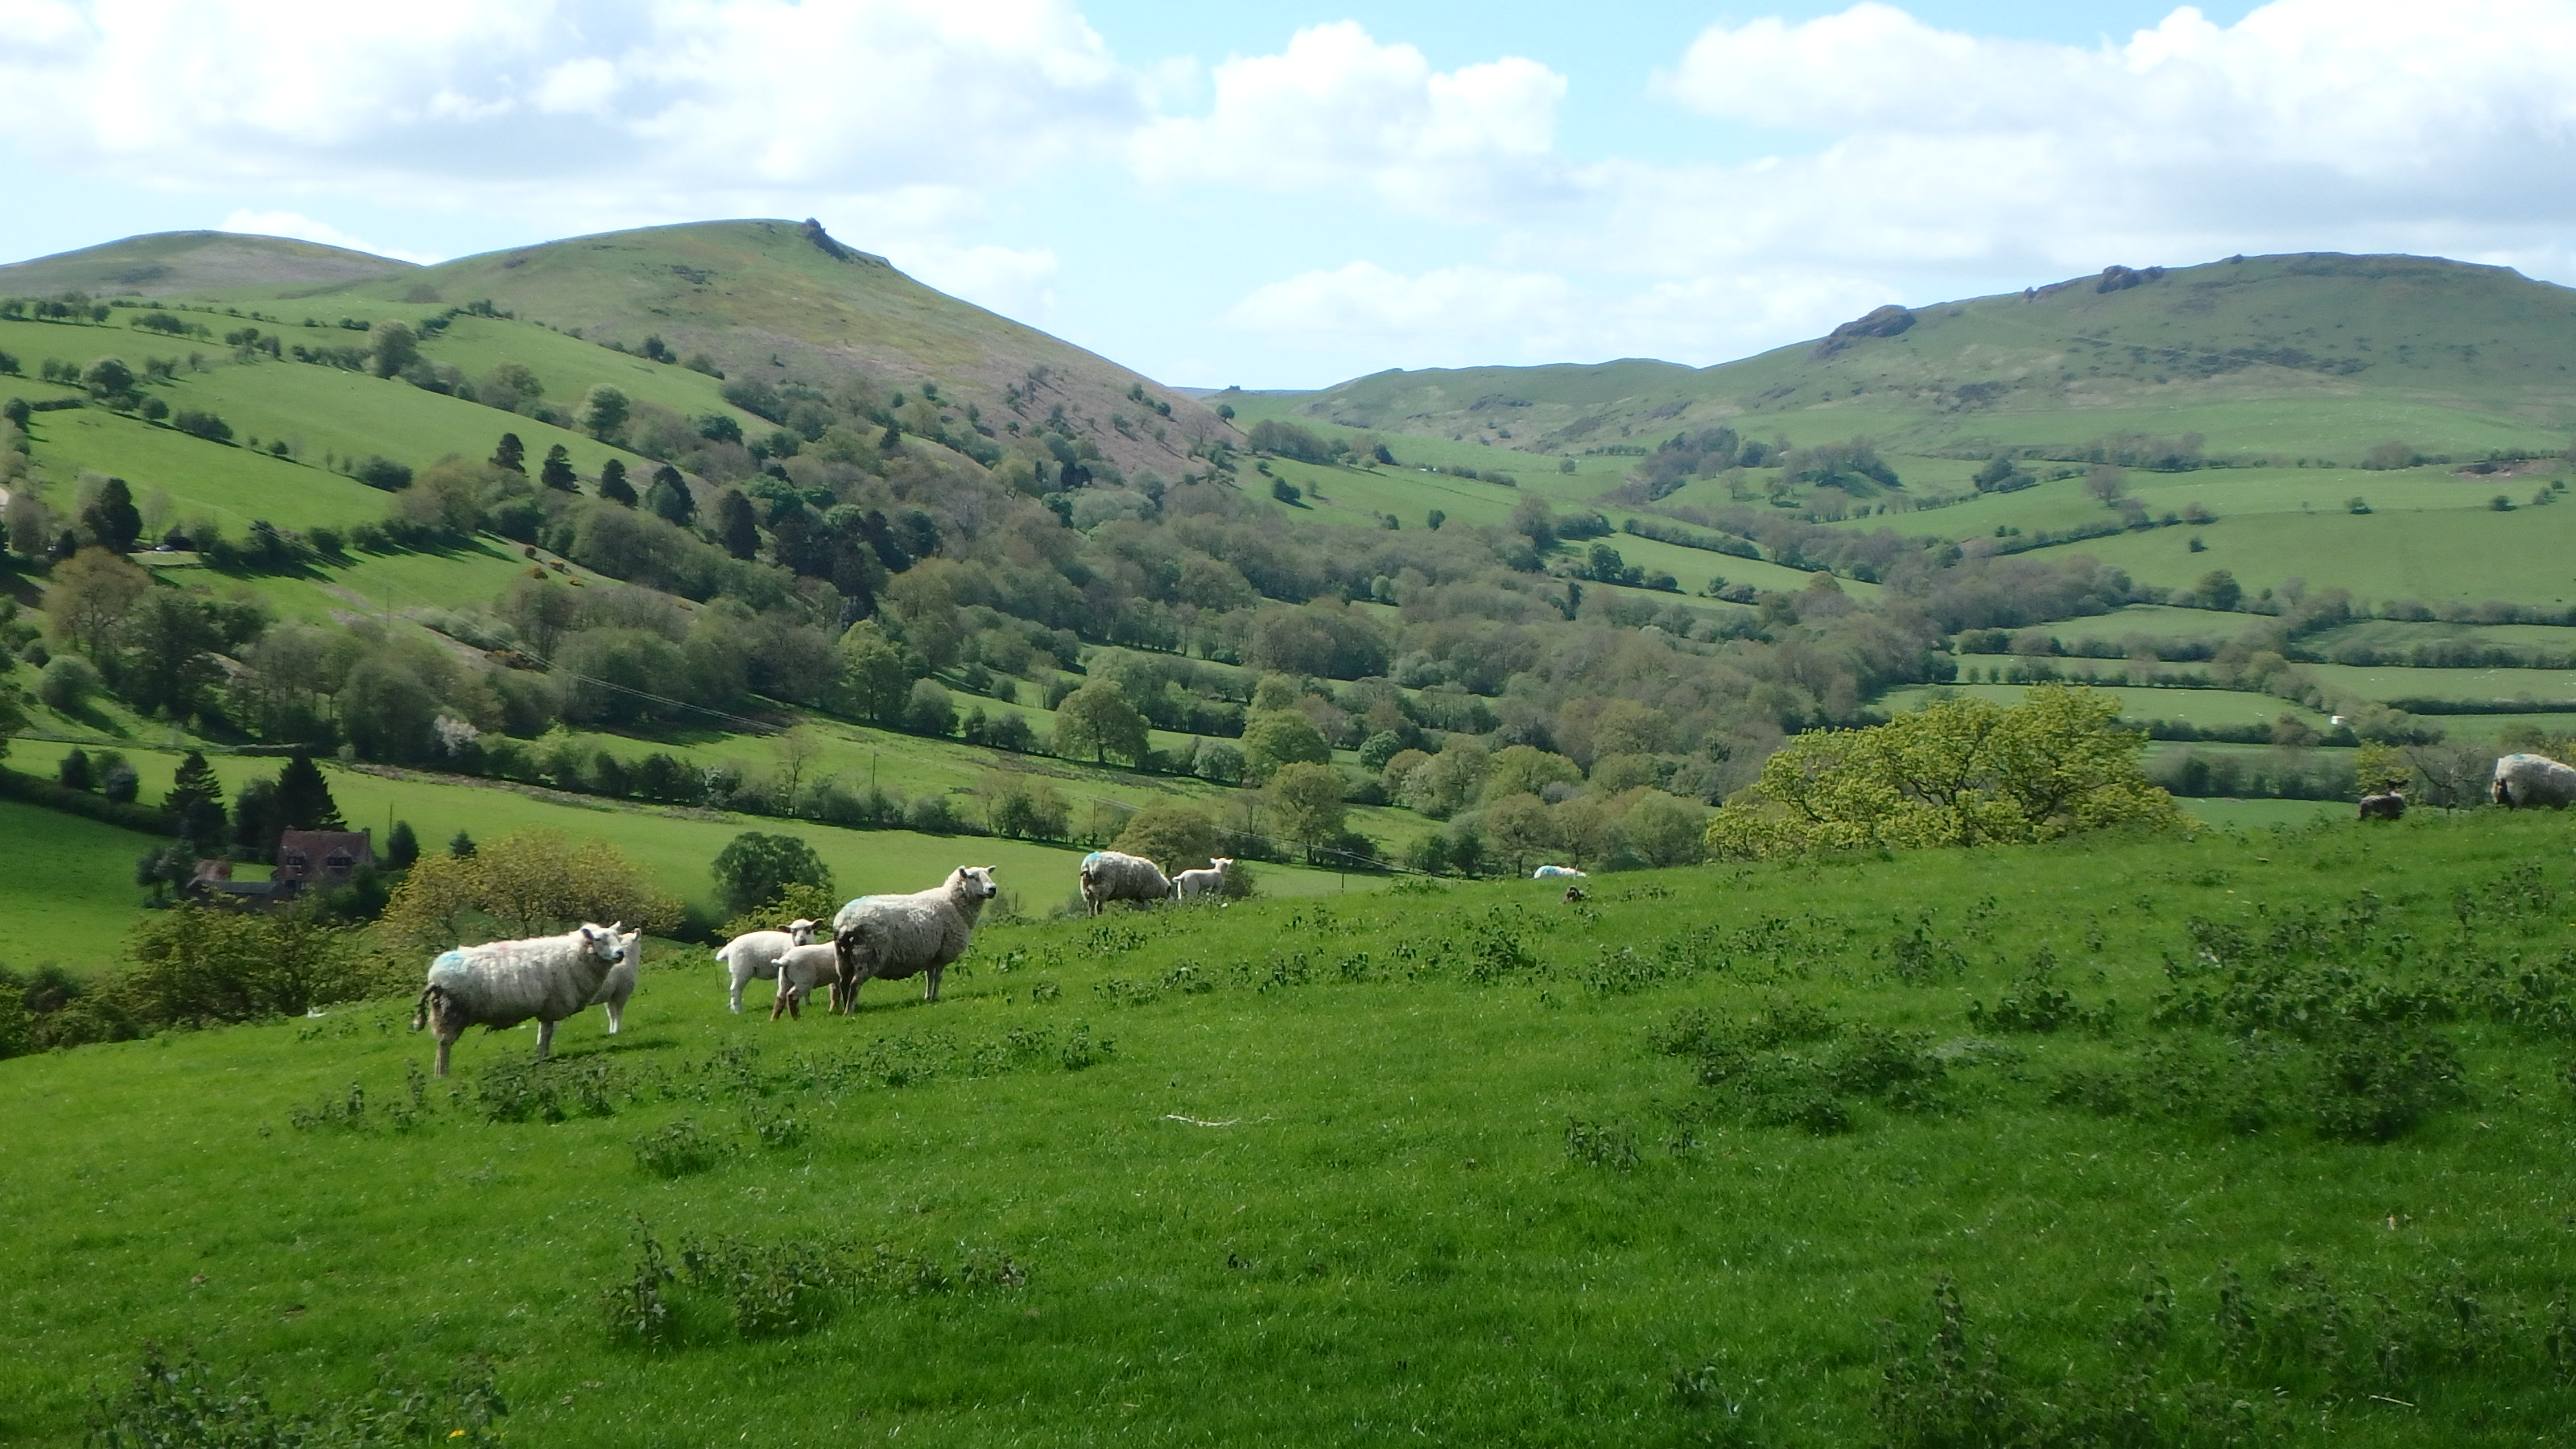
point(1378, 1235)
point(2195, 706)
point(170, 263)
point(2449, 355)
point(66, 884)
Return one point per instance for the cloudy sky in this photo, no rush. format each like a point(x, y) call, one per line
point(1286, 195)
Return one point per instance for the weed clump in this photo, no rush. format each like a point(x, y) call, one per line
point(170, 1405)
point(1601, 1144)
point(1798, 1065)
point(677, 1150)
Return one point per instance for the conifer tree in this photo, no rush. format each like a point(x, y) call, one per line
point(197, 800)
point(402, 846)
point(304, 798)
point(461, 847)
point(512, 454)
point(736, 526)
point(557, 473)
point(613, 485)
point(669, 497)
point(74, 772)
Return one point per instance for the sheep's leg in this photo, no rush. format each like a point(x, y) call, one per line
point(545, 1039)
point(738, 979)
point(446, 1039)
point(616, 1017)
point(931, 993)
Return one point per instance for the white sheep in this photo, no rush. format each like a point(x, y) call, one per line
point(1110, 875)
point(620, 982)
point(2534, 780)
point(753, 955)
point(2390, 806)
point(800, 971)
point(887, 938)
point(507, 982)
point(1557, 872)
point(1189, 885)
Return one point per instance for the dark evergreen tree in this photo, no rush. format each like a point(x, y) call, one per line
point(669, 497)
point(112, 519)
point(462, 846)
point(304, 798)
point(512, 454)
point(556, 472)
point(402, 847)
point(737, 528)
point(74, 772)
point(196, 799)
point(613, 485)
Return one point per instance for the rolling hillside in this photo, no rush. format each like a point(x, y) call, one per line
point(190, 263)
point(2307, 354)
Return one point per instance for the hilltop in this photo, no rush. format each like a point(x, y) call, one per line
point(767, 302)
point(187, 263)
point(2463, 351)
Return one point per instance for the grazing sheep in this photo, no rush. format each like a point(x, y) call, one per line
point(887, 938)
point(799, 971)
point(2391, 806)
point(753, 955)
point(1574, 894)
point(620, 982)
point(1189, 885)
point(2534, 780)
point(507, 982)
point(1556, 872)
point(1109, 875)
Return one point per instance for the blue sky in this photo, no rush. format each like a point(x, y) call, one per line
point(1286, 195)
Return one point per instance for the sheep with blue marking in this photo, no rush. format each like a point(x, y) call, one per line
point(2534, 780)
point(889, 938)
point(507, 982)
point(1112, 875)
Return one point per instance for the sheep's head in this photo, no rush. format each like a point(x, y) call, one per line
point(802, 932)
point(603, 942)
point(978, 880)
point(1219, 863)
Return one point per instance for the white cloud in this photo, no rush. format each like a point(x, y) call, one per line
point(304, 228)
point(1017, 284)
point(579, 113)
point(1339, 109)
point(2360, 124)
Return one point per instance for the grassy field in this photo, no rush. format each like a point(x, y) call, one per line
point(2265, 814)
point(2553, 685)
point(1313, 1182)
point(66, 886)
point(676, 846)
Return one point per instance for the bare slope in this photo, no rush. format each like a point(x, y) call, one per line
point(173, 263)
point(2339, 338)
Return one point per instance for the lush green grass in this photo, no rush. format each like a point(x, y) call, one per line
point(2260, 814)
point(2552, 685)
point(2399, 634)
point(2154, 623)
point(1331, 1198)
point(67, 885)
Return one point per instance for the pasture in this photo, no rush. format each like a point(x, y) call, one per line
point(2138, 705)
point(1696, 1161)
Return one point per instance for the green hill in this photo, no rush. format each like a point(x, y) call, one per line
point(2307, 353)
point(187, 263)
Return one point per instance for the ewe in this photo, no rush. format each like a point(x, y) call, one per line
point(887, 938)
point(507, 982)
point(1109, 875)
point(2534, 780)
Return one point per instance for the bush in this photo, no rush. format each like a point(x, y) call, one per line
point(67, 685)
point(203, 425)
point(381, 472)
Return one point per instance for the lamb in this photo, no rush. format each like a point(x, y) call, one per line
point(1109, 875)
point(2534, 780)
point(1556, 872)
point(798, 973)
point(2391, 806)
point(621, 980)
point(1189, 885)
point(887, 938)
point(754, 954)
point(507, 982)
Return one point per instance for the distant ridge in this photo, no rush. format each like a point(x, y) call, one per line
point(174, 262)
point(2310, 327)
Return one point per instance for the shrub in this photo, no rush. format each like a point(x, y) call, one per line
point(203, 425)
point(67, 685)
point(381, 472)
